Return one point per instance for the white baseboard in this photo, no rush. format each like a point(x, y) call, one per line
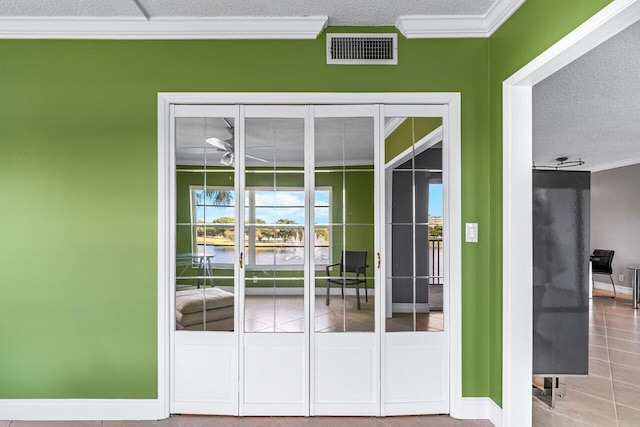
point(481, 408)
point(81, 409)
point(407, 307)
point(624, 290)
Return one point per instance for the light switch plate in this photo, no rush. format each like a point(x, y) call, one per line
point(471, 232)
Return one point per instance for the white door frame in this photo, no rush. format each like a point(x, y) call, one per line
point(517, 251)
point(451, 101)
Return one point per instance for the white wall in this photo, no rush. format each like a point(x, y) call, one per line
point(615, 218)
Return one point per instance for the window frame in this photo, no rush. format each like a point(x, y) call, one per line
point(250, 247)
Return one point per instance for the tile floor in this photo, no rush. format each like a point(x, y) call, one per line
point(218, 421)
point(285, 313)
point(610, 395)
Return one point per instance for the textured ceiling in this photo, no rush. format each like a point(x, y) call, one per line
point(591, 108)
point(338, 141)
point(340, 12)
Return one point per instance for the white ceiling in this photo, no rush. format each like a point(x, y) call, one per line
point(338, 141)
point(591, 108)
point(415, 18)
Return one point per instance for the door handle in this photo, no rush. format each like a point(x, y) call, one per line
point(379, 260)
point(241, 254)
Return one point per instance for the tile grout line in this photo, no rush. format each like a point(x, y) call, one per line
point(622, 339)
point(561, 415)
point(627, 383)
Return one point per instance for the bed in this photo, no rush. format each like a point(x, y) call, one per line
point(209, 309)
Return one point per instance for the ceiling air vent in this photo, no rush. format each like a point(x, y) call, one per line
point(381, 49)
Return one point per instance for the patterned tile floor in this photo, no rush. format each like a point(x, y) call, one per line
point(610, 395)
point(286, 314)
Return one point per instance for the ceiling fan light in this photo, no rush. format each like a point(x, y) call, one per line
point(227, 158)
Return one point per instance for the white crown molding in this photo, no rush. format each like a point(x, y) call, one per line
point(452, 26)
point(298, 27)
point(614, 165)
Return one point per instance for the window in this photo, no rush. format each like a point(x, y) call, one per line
point(273, 218)
point(212, 219)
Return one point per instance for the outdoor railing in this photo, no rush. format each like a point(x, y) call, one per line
point(436, 262)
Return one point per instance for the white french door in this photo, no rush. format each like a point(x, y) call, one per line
point(304, 277)
point(415, 343)
point(345, 361)
point(274, 351)
point(205, 304)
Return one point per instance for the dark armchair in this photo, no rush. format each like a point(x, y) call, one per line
point(602, 263)
point(353, 272)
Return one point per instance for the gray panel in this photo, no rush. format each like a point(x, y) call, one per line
point(561, 201)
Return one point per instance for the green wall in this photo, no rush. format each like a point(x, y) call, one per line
point(78, 184)
point(409, 131)
point(536, 26)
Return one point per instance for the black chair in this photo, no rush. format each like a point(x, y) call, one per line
point(352, 262)
point(601, 263)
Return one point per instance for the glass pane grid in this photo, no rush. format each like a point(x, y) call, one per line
point(415, 261)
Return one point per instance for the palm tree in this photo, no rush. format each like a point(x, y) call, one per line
point(215, 197)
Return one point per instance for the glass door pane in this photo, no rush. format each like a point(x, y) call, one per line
point(274, 225)
point(205, 204)
point(414, 225)
point(344, 224)
point(205, 306)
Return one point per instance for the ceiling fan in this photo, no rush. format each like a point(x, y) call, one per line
point(227, 146)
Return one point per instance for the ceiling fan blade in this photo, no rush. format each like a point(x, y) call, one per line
point(219, 143)
point(256, 158)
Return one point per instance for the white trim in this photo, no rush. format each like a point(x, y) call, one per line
point(499, 13)
point(80, 409)
point(481, 408)
point(517, 203)
point(392, 125)
point(495, 413)
point(614, 165)
point(455, 26)
point(423, 144)
point(453, 202)
point(620, 289)
point(318, 98)
point(448, 100)
point(223, 27)
point(165, 325)
point(407, 307)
